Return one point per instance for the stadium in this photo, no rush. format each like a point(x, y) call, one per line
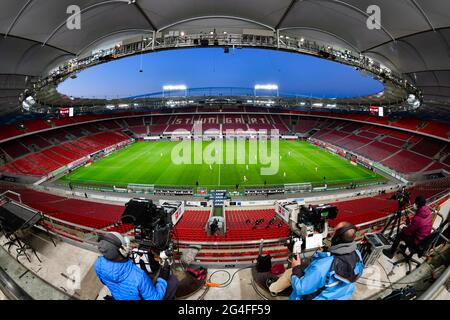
point(225, 141)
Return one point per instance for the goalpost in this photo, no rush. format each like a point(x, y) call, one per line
point(145, 188)
point(297, 187)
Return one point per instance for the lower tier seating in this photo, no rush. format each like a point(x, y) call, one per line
point(48, 160)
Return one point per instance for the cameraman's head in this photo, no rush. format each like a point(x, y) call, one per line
point(419, 202)
point(114, 247)
point(345, 232)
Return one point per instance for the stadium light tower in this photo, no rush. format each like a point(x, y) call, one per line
point(178, 87)
point(267, 87)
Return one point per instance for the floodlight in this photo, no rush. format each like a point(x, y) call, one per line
point(266, 87)
point(174, 87)
point(178, 87)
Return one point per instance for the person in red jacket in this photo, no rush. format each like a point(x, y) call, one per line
point(419, 228)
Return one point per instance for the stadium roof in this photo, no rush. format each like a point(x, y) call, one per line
point(414, 37)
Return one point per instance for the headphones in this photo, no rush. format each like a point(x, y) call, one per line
point(124, 248)
point(339, 235)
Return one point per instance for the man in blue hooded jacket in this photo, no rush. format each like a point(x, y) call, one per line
point(124, 279)
point(331, 275)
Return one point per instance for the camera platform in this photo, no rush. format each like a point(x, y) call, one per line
point(261, 280)
point(187, 285)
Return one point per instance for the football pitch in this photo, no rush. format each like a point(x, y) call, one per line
point(153, 163)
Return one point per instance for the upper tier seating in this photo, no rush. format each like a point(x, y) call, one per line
point(334, 136)
point(111, 125)
point(37, 125)
point(57, 136)
point(277, 123)
point(428, 147)
point(181, 123)
point(377, 151)
point(368, 134)
point(233, 122)
point(134, 122)
point(406, 161)
point(139, 130)
point(351, 127)
point(393, 141)
point(9, 131)
point(35, 139)
point(258, 122)
point(304, 125)
point(14, 149)
point(77, 131)
point(353, 142)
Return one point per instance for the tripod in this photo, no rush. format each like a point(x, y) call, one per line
point(396, 219)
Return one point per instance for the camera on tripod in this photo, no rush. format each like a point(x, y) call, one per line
point(309, 226)
point(316, 216)
point(403, 197)
point(152, 224)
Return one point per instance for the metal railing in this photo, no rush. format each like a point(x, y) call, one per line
point(437, 285)
point(398, 88)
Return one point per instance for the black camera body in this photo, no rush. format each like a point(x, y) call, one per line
point(403, 197)
point(317, 215)
point(153, 224)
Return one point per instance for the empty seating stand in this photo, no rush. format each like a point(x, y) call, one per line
point(407, 162)
point(377, 151)
point(35, 140)
point(50, 159)
point(427, 147)
point(14, 149)
point(192, 226)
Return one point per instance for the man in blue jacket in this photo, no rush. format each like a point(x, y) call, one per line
point(124, 279)
point(332, 274)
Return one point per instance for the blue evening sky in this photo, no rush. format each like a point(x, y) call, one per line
point(211, 67)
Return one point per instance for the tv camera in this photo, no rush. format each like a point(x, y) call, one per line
point(152, 228)
point(403, 198)
point(309, 225)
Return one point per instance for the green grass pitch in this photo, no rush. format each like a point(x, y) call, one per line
point(151, 163)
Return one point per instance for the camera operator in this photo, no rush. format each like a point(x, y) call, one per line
point(331, 275)
point(419, 228)
point(124, 279)
point(214, 227)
